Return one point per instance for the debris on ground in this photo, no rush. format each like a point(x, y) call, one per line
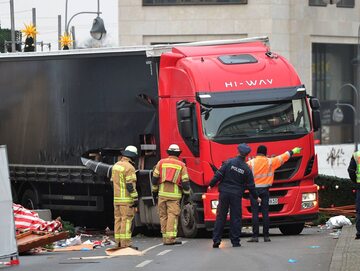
point(337, 222)
point(33, 239)
point(29, 220)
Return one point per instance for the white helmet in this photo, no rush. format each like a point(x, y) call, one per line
point(130, 151)
point(174, 148)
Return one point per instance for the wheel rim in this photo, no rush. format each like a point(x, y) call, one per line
point(188, 217)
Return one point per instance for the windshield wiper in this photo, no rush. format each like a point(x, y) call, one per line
point(232, 135)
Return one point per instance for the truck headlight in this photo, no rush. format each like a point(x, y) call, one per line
point(308, 197)
point(214, 204)
point(308, 200)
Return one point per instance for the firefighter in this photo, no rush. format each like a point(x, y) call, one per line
point(354, 174)
point(170, 180)
point(234, 177)
point(263, 169)
point(125, 196)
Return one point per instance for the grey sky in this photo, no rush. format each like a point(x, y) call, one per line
point(47, 22)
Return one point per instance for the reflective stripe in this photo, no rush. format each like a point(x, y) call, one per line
point(357, 160)
point(270, 166)
point(185, 176)
point(130, 177)
point(262, 185)
point(169, 195)
point(123, 200)
point(168, 165)
point(134, 194)
point(117, 235)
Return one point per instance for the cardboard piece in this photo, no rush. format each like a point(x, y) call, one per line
point(75, 248)
point(123, 252)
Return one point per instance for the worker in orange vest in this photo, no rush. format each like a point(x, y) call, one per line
point(263, 169)
point(170, 180)
point(125, 196)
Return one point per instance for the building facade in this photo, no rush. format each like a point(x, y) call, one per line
point(319, 39)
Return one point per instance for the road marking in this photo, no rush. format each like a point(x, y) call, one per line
point(144, 263)
point(150, 248)
point(164, 252)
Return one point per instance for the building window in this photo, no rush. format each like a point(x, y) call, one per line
point(319, 3)
point(341, 4)
point(191, 2)
point(334, 65)
point(346, 4)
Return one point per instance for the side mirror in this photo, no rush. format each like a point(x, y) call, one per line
point(316, 120)
point(186, 128)
point(314, 103)
point(185, 113)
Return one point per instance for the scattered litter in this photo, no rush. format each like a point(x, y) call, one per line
point(80, 247)
point(292, 261)
point(336, 222)
point(335, 234)
point(313, 246)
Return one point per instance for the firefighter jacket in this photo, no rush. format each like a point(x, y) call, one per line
point(234, 176)
point(170, 178)
point(124, 180)
point(263, 168)
point(354, 169)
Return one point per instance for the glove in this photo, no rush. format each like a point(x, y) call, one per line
point(296, 150)
point(136, 203)
point(155, 197)
point(186, 199)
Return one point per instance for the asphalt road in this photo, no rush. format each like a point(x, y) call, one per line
point(311, 250)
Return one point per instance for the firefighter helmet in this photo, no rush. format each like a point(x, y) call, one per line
point(130, 151)
point(174, 150)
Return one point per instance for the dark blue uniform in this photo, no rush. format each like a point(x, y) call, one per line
point(234, 177)
point(352, 169)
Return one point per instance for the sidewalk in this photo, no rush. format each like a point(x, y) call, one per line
point(346, 253)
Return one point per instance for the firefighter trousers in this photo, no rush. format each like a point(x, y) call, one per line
point(169, 211)
point(123, 217)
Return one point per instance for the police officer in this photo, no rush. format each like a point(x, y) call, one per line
point(354, 174)
point(263, 169)
point(170, 180)
point(234, 177)
point(125, 196)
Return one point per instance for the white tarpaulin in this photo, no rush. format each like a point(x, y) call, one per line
point(8, 246)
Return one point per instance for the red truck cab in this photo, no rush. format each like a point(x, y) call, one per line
point(213, 97)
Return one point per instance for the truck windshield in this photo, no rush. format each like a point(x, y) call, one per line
point(256, 120)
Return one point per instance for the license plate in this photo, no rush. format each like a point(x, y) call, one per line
point(273, 201)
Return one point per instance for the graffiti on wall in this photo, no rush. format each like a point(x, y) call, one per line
point(336, 157)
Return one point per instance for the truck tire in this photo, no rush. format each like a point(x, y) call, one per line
point(30, 200)
point(292, 229)
point(187, 221)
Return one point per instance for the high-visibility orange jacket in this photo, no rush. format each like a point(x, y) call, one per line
point(172, 174)
point(263, 168)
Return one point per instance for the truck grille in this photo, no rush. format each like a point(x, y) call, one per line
point(287, 170)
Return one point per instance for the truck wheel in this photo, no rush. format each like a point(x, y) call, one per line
point(30, 200)
point(292, 229)
point(188, 227)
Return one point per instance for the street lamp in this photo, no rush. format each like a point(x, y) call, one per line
point(98, 29)
point(338, 115)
